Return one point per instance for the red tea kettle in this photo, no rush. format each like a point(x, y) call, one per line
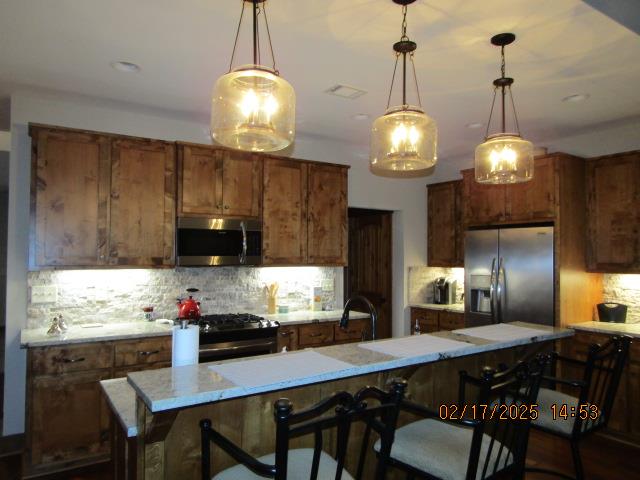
point(189, 308)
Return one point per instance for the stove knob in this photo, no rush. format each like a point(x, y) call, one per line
point(261, 323)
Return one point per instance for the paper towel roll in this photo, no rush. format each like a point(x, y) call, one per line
point(184, 349)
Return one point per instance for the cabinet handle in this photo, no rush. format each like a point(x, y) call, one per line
point(286, 334)
point(219, 205)
point(71, 360)
point(312, 335)
point(226, 207)
point(149, 352)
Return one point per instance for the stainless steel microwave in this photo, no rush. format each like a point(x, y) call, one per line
point(218, 241)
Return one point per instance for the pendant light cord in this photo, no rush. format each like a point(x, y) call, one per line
point(404, 38)
point(257, 10)
point(503, 86)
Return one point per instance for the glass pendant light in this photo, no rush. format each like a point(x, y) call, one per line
point(404, 138)
point(252, 107)
point(504, 157)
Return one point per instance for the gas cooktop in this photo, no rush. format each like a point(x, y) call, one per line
point(233, 321)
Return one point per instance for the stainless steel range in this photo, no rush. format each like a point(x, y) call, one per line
point(236, 335)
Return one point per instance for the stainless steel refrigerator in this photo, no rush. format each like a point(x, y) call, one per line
point(509, 275)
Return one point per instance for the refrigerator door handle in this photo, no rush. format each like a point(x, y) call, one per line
point(500, 288)
point(492, 290)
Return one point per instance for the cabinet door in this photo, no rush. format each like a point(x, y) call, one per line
point(284, 213)
point(288, 337)
point(613, 196)
point(241, 184)
point(427, 320)
point(444, 229)
point(450, 320)
point(327, 227)
point(142, 203)
point(70, 188)
point(536, 199)
point(484, 204)
point(357, 329)
point(199, 181)
point(69, 420)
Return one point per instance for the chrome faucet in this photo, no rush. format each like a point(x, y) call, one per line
point(372, 312)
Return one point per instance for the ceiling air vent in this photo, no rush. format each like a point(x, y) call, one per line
point(345, 91)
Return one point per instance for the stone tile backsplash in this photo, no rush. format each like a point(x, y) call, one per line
point(625, 289)
point(88, 296)
point(421, 282)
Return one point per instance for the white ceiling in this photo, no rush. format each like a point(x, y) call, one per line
point(564, 47)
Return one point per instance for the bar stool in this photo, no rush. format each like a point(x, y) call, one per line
point(590, 410)
point(376, 408)
point(472, 448)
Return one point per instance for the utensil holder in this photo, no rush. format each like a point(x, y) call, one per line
point(271, 305)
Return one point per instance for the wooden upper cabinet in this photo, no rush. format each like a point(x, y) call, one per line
point(535, 199)
point(241, 184)
point(284, 212)
point(613, 200)
point(69, 197)
point(199, 181)
point(484, 204)
point(327, 215)
point(445, 233)
point(142, 225)
point(218, 182)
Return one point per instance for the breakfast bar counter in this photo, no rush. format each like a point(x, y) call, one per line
point(237, 395)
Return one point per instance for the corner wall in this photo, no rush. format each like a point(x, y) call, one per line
point(405, 197)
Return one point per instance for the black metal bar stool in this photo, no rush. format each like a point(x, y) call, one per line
point(376, 408)
point(575, 417)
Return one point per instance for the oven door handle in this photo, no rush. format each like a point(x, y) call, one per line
point(243, 255)
point(237, 347)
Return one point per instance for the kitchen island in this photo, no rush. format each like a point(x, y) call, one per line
point(237, 395)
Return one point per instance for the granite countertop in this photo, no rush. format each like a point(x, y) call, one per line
point(632, 329)
point(122, 400)
point(37, 337)
point(311, 316)
point(172, 388)
point(452, 307)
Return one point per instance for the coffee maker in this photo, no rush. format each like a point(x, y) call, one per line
point(444, 290)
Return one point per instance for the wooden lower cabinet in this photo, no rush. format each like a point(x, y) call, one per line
point(315, 334)
point(68, 422)
point(431, 320)
point(288, 338)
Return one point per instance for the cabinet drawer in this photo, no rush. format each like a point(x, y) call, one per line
point(353, 332)
point(72, 358)
point(316, 334)
point(451, 320)
point(124, 371)
point(143, 352)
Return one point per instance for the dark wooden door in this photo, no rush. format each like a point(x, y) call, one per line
point(284, 213)
point(327, 215)
point(369, 270)
point(484, 204)
point(70, 188)
point(142, 203)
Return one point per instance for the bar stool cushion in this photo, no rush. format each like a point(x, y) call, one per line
point(547, 398)
point(439, 448)
point(298, 467)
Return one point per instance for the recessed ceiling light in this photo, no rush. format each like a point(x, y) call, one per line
point(578, 97)
point(361, 116)
point(474, 125)
point(126, 67)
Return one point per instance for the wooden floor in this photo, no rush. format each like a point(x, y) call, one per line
point(603, 460)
